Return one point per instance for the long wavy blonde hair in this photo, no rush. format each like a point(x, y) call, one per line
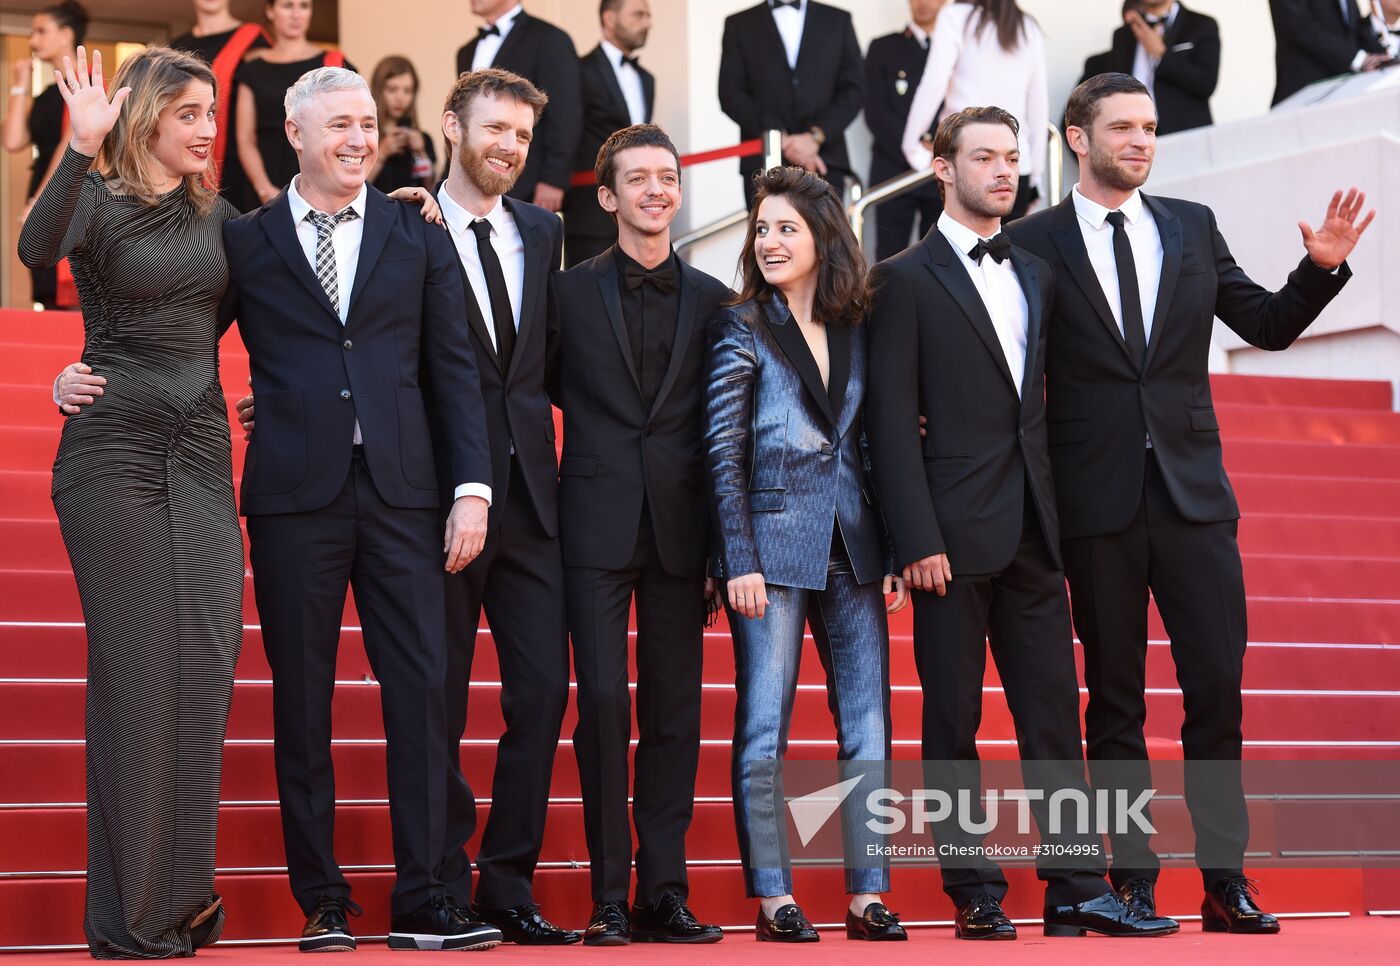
point(156, 76)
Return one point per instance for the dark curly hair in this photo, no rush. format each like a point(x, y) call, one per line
point(841, 272)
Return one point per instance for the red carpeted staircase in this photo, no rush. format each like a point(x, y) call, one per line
point(1316, 465)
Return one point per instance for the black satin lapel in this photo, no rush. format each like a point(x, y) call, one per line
point(1169, 229)
point(536, 272)
point(601, 64)
point(1070, 242)
point(770, 29)
point(951, 274)
point(606, 269)
point(513, 39)
point(478, 321)
point(805, 51)
point(648, 92)
point(685, 324)
point(794, 346)
point(379, 220)
point(838, 347)
point(1030, 287)
point(277, 225)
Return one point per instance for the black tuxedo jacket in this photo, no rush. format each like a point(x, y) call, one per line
point(604, 111)
point(618, 454)
point(1187, 74)
point(894, 64)
point(1103, 405)
point(933, 351)
point(519, 415)
point(543, 54)
point(1313, 42)
point(402, 357)
point(759, 92)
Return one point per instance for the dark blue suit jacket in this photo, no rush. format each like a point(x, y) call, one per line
point(403, 351)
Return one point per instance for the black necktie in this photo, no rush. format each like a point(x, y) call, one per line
point(794, 4)
point(662, 279)
point(998, 246)
point(501, 314)
point(490, 30)
point(1134, 333)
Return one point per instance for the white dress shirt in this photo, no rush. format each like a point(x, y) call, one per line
point(790, 21)
point(1144, 64)
point(488, 47)
point(1147, 253)
point(1001, 293)
point(1389, 33)
point(505, 241)
point(630, 81)
point(965, 69)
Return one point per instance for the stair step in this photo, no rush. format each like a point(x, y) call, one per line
point(1293, 391)
point(1306, 458)
point(1340, 426)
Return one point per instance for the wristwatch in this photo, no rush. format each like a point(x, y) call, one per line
point(818, 135)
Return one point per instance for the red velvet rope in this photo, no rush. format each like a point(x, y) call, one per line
point(747, 149)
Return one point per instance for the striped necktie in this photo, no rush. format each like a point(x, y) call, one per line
point(325, 249)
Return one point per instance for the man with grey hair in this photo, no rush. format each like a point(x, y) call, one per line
point(354, 315)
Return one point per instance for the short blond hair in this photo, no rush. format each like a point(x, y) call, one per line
point(156, 76)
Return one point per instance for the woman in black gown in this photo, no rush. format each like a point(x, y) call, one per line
point(264, 153)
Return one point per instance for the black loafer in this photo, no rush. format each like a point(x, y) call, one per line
point(981, 917)
point(524, 926)
point(609, 925)
point(876, 924)
point(788, 925)
point(669, 920)
point(1107, 915)
point(440, 923)
point(326, 930)
point(1229, 908)
point(1141, 897)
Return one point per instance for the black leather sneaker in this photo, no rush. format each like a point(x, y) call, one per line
point(440, 924)
point(326, 930)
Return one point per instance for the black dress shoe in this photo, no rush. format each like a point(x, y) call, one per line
point(981, 917)
point(1108, 915)
point(609, 925)
point(876, 924)
point(1229, 908)
point(1141, 897)
point(440, 923)
point(669, 920)
point(788, 925)
point(524, 926)
point(326, 930)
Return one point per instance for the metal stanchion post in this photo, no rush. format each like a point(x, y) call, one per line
point(772, 149)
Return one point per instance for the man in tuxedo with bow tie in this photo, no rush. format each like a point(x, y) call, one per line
point(617, 93)
point(958, 326)
point(537, 50)
point(634, 521)
point(1144, 502)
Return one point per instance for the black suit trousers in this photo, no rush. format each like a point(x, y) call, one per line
point(518, 581)
point(1193, 571)
point(302, 565)
point(670, 649)
point(1023, 612)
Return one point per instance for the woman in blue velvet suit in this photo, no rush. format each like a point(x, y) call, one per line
point(801, 542)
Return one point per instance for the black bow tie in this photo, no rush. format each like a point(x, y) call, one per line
point(1152, 21)
point(624, 60)
point(998, 246)
point(490, 30)
point(794, 4)
point(662, 279)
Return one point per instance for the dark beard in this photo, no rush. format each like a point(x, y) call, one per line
point(481, 174)
point(978, 204)
point(1108, 174)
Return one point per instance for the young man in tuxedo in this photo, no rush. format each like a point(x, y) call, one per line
point(345, 302)
point(793, 66)
point(958, 325)
point(893, 66)
point(617, 92)
point(1318, 39)
point(540, 52)
point(507, 249)
point(1175, 52)
point(1144, 502)
point(635, 523)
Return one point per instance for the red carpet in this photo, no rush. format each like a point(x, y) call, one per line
point(1316, 464)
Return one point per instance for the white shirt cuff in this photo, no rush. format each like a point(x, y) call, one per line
point(56, 400)
point(918, 156)
point(473, 489)
point(1358, 60)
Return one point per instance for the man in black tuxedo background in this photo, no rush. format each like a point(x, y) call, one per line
point(793, 66)
point(1318, 39)
point(543, 54)
point(617, 93)
point(1144, 502)
point(959, 325)
point(635, 523)
point(1174, 51)
point(894, 65)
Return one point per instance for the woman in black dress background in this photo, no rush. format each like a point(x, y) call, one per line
point(54, 33)
point(264, 153)
point(143, 490)
point(406, 154)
